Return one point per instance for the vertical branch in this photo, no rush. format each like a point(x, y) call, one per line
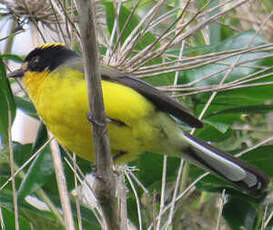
point(221, 207)
point(106, 186)
point(163, 187)
point(61, 182)
point(12, 172)
point(2, 220)
point(77, 193)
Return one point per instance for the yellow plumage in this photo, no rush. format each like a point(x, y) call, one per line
point(61, 99)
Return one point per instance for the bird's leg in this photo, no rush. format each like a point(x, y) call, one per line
point(95, 122)
point(119, 155)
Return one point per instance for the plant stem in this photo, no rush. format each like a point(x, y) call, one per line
point(105, 185)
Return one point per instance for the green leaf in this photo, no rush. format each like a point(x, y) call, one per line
point(39, 172)
point(268, 5)
point(49, 184)
point(244, 109)
point(240, 97)
point(149, 172)
point(8, 219)
point(211, 133)
point(214, 28)
point(241, 214)
point(42, 220)
point(41, 138)
point(89, 220)
point(235, 42)
point(150, 165)
point(7, 104)
point(21, 152)
point(26, 106)
point(41, 168)
point(222, 127)
point(262, 158)
point(12, 57)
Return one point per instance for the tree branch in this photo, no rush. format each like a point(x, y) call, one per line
point(105, 184)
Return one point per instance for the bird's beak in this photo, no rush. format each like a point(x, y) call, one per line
point(19, 73)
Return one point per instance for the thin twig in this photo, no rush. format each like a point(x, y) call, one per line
point(115, 30)
point(96, 209)
point(213, 95)
point(54, 10)
point(61, 182)
point(145, 58)
point(69, 19)
point(221, 207)
point(187, 190)
point(223, 88)
point(264, 218)
point(162, 196)
point(123, 30)
point(3, 227)
point(268, 219)
point(201, 60)
point(138, 33)
point(138, 182)
point(77, 192)
point(77, 169)
point(14, 191)
point(181, 168)
point(145, 55)
point(26, 163)
point(254, 146)
point(175, 192)
point(40, 193)
point(137, 200)
point(218, 88)
point(122, 194)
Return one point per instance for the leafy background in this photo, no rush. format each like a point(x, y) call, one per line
point(224, 74)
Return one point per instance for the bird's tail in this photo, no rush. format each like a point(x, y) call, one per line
point(242, 175)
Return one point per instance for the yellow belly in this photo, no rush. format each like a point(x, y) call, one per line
point(61, 100)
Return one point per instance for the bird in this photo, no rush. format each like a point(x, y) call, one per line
point(140, 118)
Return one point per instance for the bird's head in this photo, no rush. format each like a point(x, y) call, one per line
point(44, 58)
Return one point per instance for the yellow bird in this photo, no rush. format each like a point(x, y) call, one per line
point(140, 117)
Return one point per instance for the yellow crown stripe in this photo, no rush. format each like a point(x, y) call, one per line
point(51, 45)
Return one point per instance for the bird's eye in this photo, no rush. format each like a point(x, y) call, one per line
point(34, 62)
